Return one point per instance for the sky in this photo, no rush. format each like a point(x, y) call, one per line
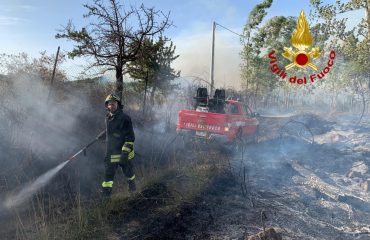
point(30, 26)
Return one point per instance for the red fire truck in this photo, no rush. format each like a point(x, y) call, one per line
point(218, 119)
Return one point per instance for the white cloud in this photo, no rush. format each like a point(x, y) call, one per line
point(9, 13)
point(26, 7)
point(12, 8)
point(5, 20)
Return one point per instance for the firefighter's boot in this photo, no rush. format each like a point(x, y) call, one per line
point(106, 193)
point(107, 189)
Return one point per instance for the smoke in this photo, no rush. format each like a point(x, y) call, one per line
point(32, 187)
point(163, 117)
point(195, 57)
point(34, 122)
point(37, 132)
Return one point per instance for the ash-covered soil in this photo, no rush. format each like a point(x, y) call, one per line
point(307, 178)
point(302, 190)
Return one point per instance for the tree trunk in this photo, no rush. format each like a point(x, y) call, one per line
point(152, 94)
point(255, 96)
point(119, 81)
point(363, 107)
point(145, 90)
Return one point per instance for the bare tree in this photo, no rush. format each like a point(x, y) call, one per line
point(114, 35)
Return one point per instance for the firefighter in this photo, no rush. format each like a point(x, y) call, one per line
point(120, 137)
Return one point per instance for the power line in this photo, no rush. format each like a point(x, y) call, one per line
point(230, 30)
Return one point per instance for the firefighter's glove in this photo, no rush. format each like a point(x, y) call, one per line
point(128, 150)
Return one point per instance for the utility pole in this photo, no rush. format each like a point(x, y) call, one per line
point(146, 86)
point(213, 51)
point(213, 58)
point(53, 75)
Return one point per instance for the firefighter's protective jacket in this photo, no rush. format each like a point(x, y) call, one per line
point(119, 132)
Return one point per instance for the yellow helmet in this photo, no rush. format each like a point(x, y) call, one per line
point(112, 97)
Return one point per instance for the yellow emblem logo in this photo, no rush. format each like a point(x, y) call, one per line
point(301, 40)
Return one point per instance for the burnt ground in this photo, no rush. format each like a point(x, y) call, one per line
point(302, 190)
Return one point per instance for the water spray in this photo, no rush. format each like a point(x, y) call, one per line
point(32, 187)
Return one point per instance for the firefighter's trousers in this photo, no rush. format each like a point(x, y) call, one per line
point(110, 171)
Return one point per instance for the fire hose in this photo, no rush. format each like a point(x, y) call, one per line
point(32, 187)
point(83, 150)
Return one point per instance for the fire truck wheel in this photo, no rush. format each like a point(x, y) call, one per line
point(188, 144)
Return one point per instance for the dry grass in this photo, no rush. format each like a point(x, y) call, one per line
point(160, 197)
point(170, 178)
